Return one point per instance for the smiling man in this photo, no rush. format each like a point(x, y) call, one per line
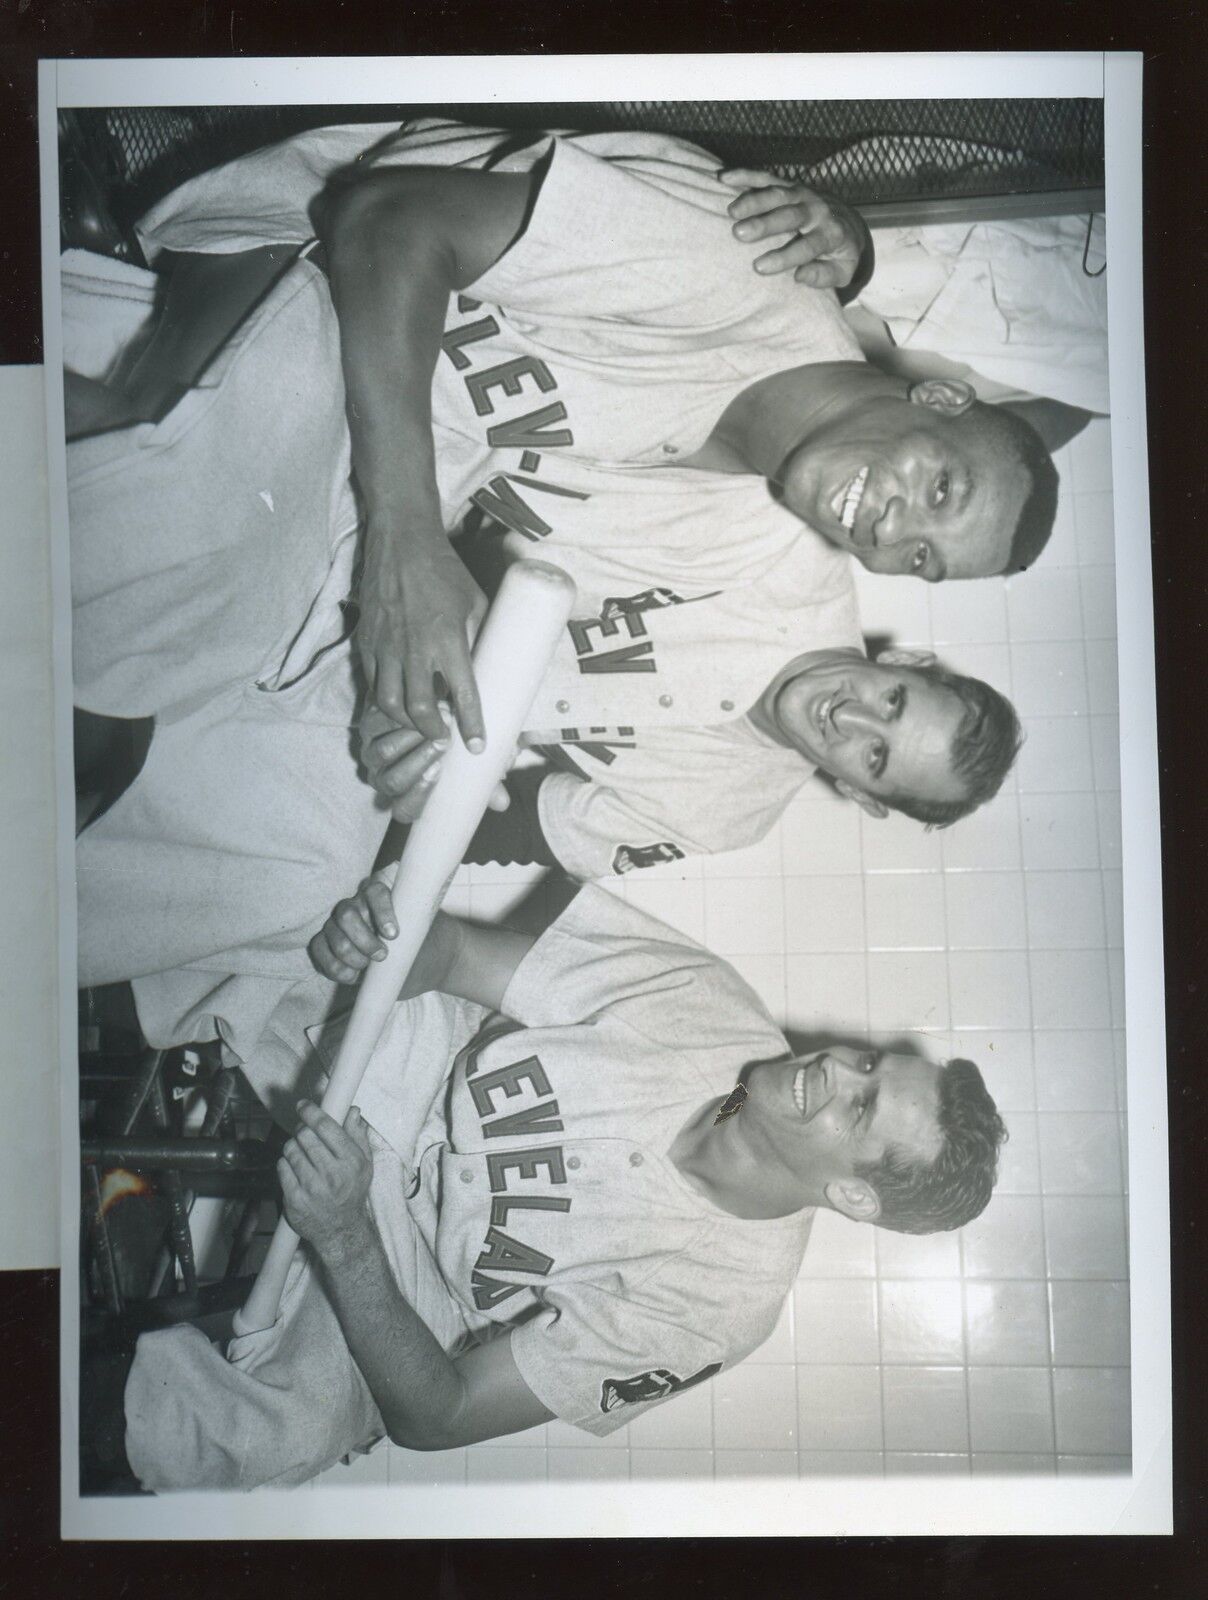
point(556, 332)
point(917, 479)
point(901, 733)
point(898, 733)
point(544, 1213)
point(670, 723)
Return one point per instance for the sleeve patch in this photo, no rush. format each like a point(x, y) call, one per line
point(631, 856)
point(657, 1384)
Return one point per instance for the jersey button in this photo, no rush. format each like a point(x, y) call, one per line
point(563, 705)
point(665, 700)
point(573, 1163)
point(466, 1175)
point(727, 705)
point(671, 450)
point(636, 1158)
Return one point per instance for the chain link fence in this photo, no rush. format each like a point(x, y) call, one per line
point(866, 151)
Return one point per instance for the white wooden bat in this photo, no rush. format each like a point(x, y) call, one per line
point(511, 656)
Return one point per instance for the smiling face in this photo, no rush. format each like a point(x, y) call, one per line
point(911, 484)
point(879, 731)
point(830, 1115)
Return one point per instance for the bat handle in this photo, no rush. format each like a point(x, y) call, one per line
point(511, 657)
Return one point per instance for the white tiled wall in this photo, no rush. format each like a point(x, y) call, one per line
point(1003, 1348)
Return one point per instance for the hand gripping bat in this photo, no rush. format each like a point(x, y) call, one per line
point(511, 656)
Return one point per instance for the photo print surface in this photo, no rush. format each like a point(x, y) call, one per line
point(756, 1116)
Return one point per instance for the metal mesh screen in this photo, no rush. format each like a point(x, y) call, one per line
point(865, 151)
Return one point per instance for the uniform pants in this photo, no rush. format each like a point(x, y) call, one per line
point(210, 556)
point(290, 1400)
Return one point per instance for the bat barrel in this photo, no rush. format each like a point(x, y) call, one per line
point(511, 656)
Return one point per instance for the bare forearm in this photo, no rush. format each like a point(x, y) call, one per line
point(390, 283)
point(399, 242)
point(468, 961)
point(415, 1385)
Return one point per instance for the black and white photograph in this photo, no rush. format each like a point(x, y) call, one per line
point(598, 637)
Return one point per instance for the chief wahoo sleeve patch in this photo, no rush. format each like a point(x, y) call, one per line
point(654, 1385)
point(632, 856)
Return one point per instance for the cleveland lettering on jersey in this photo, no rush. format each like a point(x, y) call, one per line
point(504, 1249)
point(507, 390)
point(620, 618)
point(601, 744)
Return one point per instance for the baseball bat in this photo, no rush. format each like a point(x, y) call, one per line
point(511, 655)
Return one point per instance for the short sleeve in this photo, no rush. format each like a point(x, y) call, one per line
point(597, 1359)
point(680, 793)
point(592, 828)
point(604, 962)
point(609, 240)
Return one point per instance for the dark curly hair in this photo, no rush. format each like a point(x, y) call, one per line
point(921, 1197)
point(1011, 438)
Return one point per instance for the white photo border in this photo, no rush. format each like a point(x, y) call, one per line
point(1136, 1503)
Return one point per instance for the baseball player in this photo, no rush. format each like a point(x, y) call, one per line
point(539, 1209)
point(589, 332)
point(213, 551)
point(254, 819)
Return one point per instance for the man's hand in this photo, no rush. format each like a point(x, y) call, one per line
point(402, 763)
point(418, 620)
point(829, 238)
point(325, 1172)
point(352, 936)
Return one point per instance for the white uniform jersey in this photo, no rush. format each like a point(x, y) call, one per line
point(603, 345)
point(628, 295)
point(531, 1191)
point(652, 703)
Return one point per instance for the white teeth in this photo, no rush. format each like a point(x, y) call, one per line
point(799, 1090)
point(851, 500)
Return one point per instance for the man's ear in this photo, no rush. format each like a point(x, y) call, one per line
point(897, 657)
point(853, 1198)
point(866, 802)
point(950, 395)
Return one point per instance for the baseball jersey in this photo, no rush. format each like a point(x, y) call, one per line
point(686, 578)
point(541, 1176)
point(650, 701)
point(521, 1184)
point(605, 343)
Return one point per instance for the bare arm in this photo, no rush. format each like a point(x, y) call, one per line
point(399, 241)
point(458, 958)
point(428, 1400)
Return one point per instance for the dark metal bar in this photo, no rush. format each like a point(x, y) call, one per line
point(146, 1077)
point(97, 1235)
point(167, 1310)
point(174, 1191)
point(184, 1155)
point(981, 208)
point(161, 1271)
point(221, 1093)
point(245, 1232)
